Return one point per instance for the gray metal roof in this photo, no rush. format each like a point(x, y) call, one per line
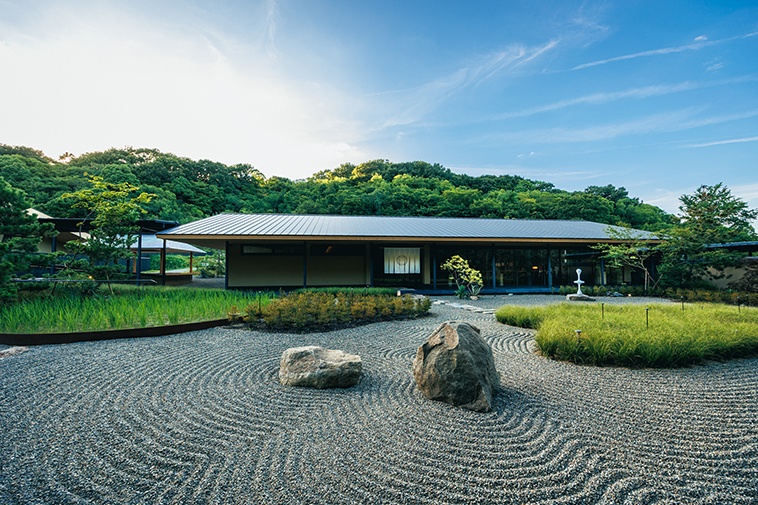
point(151, 243)
point(245, 226)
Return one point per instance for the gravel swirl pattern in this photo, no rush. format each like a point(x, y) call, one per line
point(201, 418)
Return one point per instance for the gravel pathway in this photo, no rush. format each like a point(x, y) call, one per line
point(201, 418)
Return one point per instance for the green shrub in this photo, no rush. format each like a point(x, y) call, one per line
point(313, 310)
point(348, 290)
point(674, 337)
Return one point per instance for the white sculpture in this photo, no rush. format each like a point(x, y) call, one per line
point(579, 281)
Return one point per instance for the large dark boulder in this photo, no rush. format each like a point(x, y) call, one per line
point(455, 365)
point(319, 368)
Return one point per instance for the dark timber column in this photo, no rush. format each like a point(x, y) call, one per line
point(434, 267)
point(226, 265)
point(494, 275)
point(305, 264)
point(163, 262)
point(52, 249)
point(549, 269)
point(138, 266)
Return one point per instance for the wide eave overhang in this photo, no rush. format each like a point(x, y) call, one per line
point(215, 231)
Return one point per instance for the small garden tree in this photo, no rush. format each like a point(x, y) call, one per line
point(114, 213)
point(633, 250)
point(468, 280)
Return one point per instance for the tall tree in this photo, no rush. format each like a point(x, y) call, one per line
point(716, 216)
point(710, 216)
point(20, 235)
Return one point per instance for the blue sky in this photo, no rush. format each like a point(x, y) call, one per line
point(659, 97)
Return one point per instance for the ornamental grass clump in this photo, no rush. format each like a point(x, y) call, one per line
point(622, 335)
point(313, 310)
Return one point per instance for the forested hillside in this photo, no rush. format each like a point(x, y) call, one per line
point(187, 190)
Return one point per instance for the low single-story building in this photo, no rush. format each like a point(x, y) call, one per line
point(273, 251)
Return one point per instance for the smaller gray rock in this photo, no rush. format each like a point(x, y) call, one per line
point(12, 350)
point(579, 298)
point(319, 368)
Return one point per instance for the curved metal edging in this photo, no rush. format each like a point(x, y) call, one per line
point(84, 336)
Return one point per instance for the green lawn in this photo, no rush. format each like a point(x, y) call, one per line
point(129, 307)
point(672, 338)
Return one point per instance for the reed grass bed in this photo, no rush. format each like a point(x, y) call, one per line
point(128, 307)
point(636, 335)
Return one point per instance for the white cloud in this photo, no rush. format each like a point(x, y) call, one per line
point(112, 79)
point(656, 123)
point(644, 92)
point(413, 104)
point(721, 142)
point(702, 42)
point(701, 37)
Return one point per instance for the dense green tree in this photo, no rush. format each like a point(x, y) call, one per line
point(20, 235)
point(710, 216)
point(187, 189)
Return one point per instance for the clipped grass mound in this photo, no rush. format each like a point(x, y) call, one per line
point(314, 311)
point(674, 338)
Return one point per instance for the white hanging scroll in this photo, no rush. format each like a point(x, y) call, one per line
point(402, 260)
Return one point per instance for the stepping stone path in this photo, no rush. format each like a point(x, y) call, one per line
point(462, 306)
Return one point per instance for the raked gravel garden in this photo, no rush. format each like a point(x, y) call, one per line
point(201, 418)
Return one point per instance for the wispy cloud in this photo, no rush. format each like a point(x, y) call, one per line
point(666, 50)
point(271, 20)
point(721, 142)
point(657, 123)
point(644, 92)
point(416, 102)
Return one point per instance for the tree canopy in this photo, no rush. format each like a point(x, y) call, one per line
point(20, 235)
point(186, 190)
